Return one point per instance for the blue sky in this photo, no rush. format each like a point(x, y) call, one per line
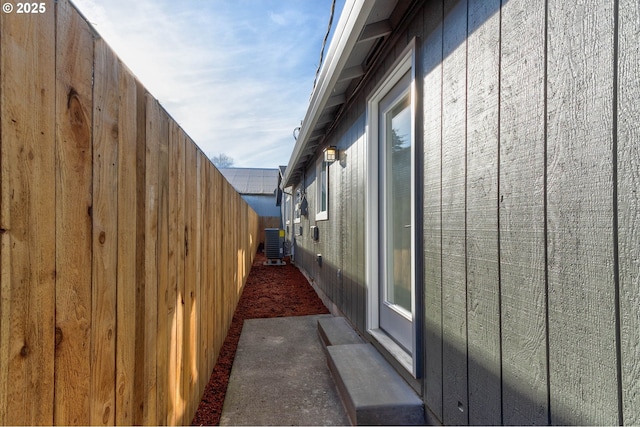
point(235, 74)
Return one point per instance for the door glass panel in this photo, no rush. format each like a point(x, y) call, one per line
point(398, 204)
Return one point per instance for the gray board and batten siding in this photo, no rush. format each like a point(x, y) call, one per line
point(530, 194)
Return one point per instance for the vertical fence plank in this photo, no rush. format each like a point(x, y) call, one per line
point(74, 105)
point(524, 353)
point(190, 378)
point(455, 407)
point(206, 266)
point(176, 268)
point(197, 245)
point(152, 136)
point(126, 279)
point(27, 219)
point(582, 338)
point(139, 391)
point(105, 236)
point(628, 157)
point(483, 286)
point(218, 229)
point(165, 309)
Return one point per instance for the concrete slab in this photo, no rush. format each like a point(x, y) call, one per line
point(372, 391)
point(280, 376)
point(337, 331)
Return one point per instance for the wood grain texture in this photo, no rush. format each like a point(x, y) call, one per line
point(139, 391)
point(582, 347)
point(190, 379)
point(165, 308)
point(74, 113)
point(454, 278)
point(628, 156)
point(127, 267)
point(522, 252)
point(483, 282)
point(105, 235)
point(432, 117)
point(177, 269)
point(152, 135)
point(27, 218)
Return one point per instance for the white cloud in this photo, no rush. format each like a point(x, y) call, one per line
point(236, 81)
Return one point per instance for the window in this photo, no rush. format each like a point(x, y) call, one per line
point(394, 311)
point(322, 190)
point(296, 206)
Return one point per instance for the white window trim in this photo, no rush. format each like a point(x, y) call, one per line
point(404, 63)
point(287, 209)
point(322, 215)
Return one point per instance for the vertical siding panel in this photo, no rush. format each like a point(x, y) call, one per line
point(350, 297)
point(105, 238)
point(152, 135)
point(360, 218)
point(483, 288)
point(432, 116)
point(582, 347)
point(126, 274)
point(28, 207)
point(629, 205)
point(522, 257)
point(455, 407)
point(74, 105)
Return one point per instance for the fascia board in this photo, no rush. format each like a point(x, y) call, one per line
point(352, 21)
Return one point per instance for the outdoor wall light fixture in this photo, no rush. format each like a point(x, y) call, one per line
point(331, 154)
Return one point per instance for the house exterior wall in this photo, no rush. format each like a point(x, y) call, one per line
point(528, 133)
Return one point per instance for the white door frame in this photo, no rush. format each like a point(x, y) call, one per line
point(404, 63)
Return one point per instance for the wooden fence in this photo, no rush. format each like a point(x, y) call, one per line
point(123, 250)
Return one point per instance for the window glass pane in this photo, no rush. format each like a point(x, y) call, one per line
point(398, 203)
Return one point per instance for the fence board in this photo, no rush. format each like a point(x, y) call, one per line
point(139, 391)
point(165, 309)
point(152, 144)
point(105, 235)
point(628, 157)
point(126, 274)
point(27, 253)
point(74, 154)
point(177, 266)
point(190, 379)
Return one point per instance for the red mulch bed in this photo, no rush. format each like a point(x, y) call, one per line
point(270, 291)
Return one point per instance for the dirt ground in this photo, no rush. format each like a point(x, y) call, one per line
point(270, 291)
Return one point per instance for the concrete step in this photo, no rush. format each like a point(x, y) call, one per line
point(337, 331)
point(372, 392)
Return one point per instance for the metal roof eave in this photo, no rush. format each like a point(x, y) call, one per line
point(352, 21)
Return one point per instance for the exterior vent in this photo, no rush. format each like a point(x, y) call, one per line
point(274, 246)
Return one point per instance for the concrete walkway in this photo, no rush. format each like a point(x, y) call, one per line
point(280, 376)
